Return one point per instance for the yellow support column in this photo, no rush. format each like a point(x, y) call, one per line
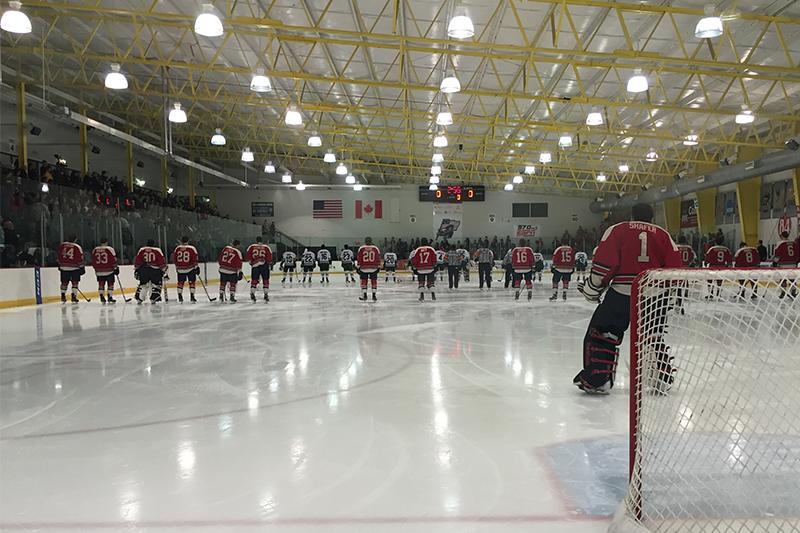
point(672, 214)
point(84, 141)
point(164, 177)
point(130, 167)
point(22, 127)
point(748, 196)
point(706, 202)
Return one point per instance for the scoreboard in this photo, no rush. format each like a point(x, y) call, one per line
point(453, 194)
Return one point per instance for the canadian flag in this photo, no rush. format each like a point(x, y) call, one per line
point(369, 209)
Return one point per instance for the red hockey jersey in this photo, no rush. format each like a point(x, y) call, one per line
point(104, 260)
point(629, 248)
point(423, 259)
point(719, 256)
point(522, 259)
point(746, 257)
point(70, 256)
point(150, 256)
point(259, 254)
point(688, 257)
point(786, 254)
point(185, 258)
point(369, 258)
point(564, 259)
point(230, 260)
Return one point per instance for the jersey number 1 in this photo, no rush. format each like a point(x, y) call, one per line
point(643, 257)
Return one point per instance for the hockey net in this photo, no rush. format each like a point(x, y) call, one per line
point(715, 403)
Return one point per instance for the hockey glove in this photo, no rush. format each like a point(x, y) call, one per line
point(116, 271)
point(136, 273)
point(197, 271)
point(241, 275)
point(82, 271)
point(590, 291)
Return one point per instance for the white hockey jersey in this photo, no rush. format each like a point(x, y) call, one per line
point(347, 256)
point(390, 259)
point(324, 256)
point(308, 259)
point(289, 258)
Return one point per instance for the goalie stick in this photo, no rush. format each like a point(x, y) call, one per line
point(122, 290)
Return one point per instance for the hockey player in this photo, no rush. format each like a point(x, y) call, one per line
point(717, 256)
point(538, 264)
point(368, 260)
point(288, 263)
point(563, 267)
point(522, 262)
point(149, 266)
point(453, 259)
point(508, 269)
point(230, 270)
point(186, 262)
point(626, 249)
point(485, 258)
point(746, 257)
point(464, 265)
point(688, 257)
point(581, 263)
point(308, 261)
point(423, 263)
point(786, 256)
point(104, 262)
point(390, 265)
point(441, 261)
point(259, 255)
point(324, 262)
point(70, 265)
point(347, 257)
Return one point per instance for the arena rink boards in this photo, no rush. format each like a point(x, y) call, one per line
point(315, 412)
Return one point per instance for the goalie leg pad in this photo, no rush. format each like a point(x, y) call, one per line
point(600, 354)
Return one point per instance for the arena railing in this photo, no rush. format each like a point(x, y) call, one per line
point(42, 220)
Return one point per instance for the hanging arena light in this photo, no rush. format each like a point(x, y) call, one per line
point(207, 23)
point(269, 168)
point(450, 84)
point(14, 20)
point(709, 26)
point(115, 79)
point(444, 118)
point(177, 115)
point(247, 155)
point(260, 82)
point(218, 139)
point(329, 157)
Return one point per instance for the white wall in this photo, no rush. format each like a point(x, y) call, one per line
point(293, 213)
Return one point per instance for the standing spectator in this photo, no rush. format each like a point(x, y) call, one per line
point(762, 251)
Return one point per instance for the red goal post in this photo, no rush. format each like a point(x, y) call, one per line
point(714, 402)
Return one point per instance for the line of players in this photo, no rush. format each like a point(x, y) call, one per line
point(150, 267)
point(786, 255)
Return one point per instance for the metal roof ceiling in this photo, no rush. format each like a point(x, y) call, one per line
point(366, 73)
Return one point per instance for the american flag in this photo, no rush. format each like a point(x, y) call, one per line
point(327, 209)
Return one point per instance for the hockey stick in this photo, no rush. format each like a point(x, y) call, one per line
point(121, 288)
point(82, 295)
point(210, 299)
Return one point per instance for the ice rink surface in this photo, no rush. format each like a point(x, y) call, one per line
point(315, 412)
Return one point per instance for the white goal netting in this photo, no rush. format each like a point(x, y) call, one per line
point(715, 403)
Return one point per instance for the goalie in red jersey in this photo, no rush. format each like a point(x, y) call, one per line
point(149, 267)
point(626, 250)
